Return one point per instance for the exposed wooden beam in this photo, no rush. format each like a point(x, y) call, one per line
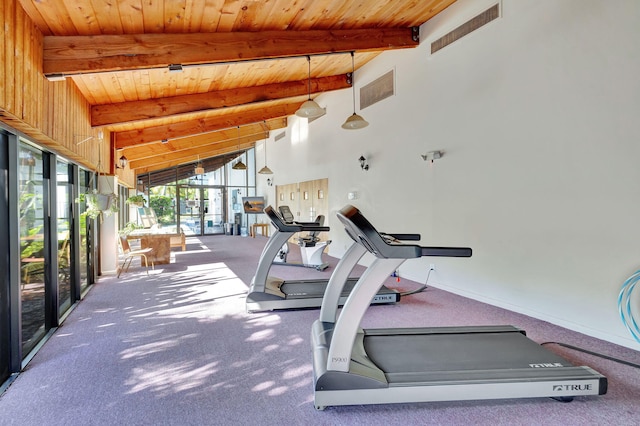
point(188, 128)
point(164, 162)
point(205, 141)
point(125, 112)
point(69, 55)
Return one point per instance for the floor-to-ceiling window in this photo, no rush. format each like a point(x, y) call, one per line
point(5, 282)
point(202, 198)
point(32, 245)
point(85, 230)
point(64, 198)
point(40, 262)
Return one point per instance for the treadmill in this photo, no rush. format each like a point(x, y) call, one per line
point(268, 293)
point(374, 366)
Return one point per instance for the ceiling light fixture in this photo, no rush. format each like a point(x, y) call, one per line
point(265, 170)
point(199, 170)
point(310, 109)
point(354, 121)
point(239, 165)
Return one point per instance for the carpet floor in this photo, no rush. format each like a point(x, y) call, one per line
point(177, 347)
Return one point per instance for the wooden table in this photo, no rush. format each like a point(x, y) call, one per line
point(264, 229)
point(159, 241)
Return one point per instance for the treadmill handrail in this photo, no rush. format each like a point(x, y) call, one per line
point(389, 256)
point(404, 237)
point(283, 226)
point(363, 232)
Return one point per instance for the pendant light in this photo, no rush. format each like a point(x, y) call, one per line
point(354, 121)
point(309, 109)
point(265, 170)
point(199, 170)
point(239, 165)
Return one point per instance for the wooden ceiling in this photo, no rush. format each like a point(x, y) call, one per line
point(245, 64)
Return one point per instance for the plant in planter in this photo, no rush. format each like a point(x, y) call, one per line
point(129, 227)
point(98, 204)
point(136, 200)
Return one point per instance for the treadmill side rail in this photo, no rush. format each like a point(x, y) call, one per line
point(406, 393)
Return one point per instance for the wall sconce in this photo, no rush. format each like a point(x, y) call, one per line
point(432, 155)
point(122, 162)
point(363, 163)
point(269, 182)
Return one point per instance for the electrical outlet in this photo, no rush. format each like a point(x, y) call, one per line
point(432, 267)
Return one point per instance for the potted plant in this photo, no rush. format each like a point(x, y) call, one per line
point(129, 227)
point(136, 200)
point(97, 204)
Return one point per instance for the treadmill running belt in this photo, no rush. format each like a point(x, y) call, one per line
point(458, 352)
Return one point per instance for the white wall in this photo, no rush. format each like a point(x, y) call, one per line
point(537, 116)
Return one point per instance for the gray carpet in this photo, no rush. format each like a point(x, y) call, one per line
point(177, 348)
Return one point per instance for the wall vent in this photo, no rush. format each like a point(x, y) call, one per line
point(279, 136)
point(377, 90)
point(471, 25)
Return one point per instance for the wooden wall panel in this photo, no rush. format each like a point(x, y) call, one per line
point(2, 53)
point(53, 114)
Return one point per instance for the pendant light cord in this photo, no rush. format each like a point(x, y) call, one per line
point(353, 86)
point(309, 79)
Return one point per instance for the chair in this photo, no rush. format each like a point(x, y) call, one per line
point(130, 254)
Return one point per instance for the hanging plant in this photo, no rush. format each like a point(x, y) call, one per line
point(136, 200)
point(97, 204)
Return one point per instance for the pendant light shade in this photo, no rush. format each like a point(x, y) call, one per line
point(239, 165)
point(265, 170)
point(354, 121)
point(310, 109)
point(199, 170)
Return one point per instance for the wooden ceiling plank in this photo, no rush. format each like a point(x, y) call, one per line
point(107, 17)
point(174, 16)
point(33, 11)
point(171, 131)
point(204, 151)
point(102, 53)
point(126, 112)
point(152, 15)
point(153, 165)
point(140, 152)
point(131, 16)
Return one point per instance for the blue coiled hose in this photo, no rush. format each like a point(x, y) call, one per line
point(624, 305)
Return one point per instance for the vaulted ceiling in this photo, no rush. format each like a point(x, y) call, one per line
point(244, 64)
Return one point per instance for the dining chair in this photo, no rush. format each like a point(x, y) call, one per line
point(130, 254)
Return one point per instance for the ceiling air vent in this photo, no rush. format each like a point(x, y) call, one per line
point(377, 90)
point(279, 136)
point(471, 25)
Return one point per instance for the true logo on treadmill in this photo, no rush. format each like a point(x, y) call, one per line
point(546, 365)
point(583, 387)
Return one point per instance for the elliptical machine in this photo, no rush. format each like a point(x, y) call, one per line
point(311, 248)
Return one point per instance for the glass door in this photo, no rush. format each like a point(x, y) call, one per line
point(201, 209)
point(212, 210)
point(189, 210)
